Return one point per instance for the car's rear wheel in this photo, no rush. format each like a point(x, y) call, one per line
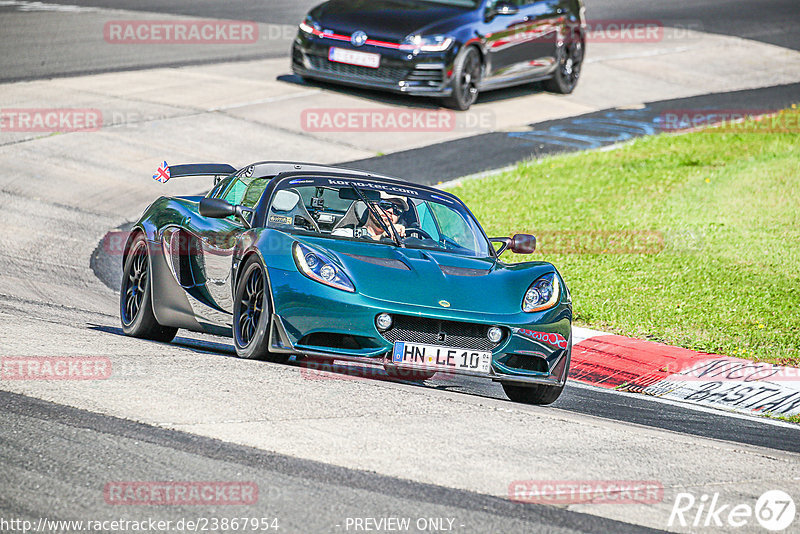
point(570, 60)
point(532, 394)
point(467, 74)
point(135, 297)
point(252, 314)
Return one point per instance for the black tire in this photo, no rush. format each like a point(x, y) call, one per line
point(533, 394)
point(135, 297)
point(570, 59)
point(409, 374)
point(252, 314)
point(467, 74)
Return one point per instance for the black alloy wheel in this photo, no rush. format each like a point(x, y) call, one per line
point(466, 80)
point(252, 315)
point(135, 297)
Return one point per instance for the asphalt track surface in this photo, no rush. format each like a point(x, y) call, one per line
point(72, 450)
point(40, 42)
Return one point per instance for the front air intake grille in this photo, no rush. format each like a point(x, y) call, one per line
point(381, 74)
point(437, 332)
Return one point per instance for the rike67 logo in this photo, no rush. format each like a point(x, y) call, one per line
point(774, 511)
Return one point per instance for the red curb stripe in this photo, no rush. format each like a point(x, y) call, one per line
point(612, 361)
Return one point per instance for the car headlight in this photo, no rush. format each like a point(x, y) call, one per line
point(319, 267)
point(542, 294)
point(309, 25)
point(429, 43)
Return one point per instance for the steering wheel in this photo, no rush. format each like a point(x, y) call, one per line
point(418, 232)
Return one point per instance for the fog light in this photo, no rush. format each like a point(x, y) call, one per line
point(495, 334)
point(384, 321)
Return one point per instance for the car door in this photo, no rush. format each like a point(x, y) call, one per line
point(538, 37)
point(502, 33)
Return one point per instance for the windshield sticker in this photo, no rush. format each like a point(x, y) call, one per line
point(279, 219)
point(162, 174)
point(299, 181)
point(372, 185)
point(248, 172)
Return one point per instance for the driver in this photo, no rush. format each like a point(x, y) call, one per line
point(390, 208)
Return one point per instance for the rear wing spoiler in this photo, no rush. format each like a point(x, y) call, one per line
point(165, 172)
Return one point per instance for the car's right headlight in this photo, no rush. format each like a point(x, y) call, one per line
point(542, 294)
point(319, 267)
point(310, 26)
point(429, 43)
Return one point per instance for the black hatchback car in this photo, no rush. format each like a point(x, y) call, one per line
point(450, 49)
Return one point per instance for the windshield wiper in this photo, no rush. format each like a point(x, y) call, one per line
point(371, 207)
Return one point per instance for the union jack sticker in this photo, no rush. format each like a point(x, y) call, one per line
point(162, 174)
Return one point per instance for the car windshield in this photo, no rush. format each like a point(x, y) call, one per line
point(389, 214)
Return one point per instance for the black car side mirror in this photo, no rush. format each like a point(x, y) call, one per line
point(501, 8)
point(519, 244)
point(217, 208)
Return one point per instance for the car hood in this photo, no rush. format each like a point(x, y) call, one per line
point(432, 279)
point(390, 20)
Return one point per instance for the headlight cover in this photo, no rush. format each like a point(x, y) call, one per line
point(319, 267)
point(429, 43)
point(542, 294)
point(309, 25)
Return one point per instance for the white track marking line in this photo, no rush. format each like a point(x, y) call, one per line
point(688, 406)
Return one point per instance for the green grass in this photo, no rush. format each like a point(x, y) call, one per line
point(692, 240)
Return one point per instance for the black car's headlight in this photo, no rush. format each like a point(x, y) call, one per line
point(542, 294)
point(428, 43)
point(310, 26)
point(319, 267)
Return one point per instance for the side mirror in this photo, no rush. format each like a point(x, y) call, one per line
point(217, 208)
point(500, 9)
point(519, 244)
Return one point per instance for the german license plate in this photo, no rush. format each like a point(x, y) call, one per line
point(408, 354)
point(351, 57)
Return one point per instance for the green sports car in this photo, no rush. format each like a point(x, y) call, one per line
point(323, 262)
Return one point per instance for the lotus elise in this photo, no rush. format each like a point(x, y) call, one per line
point(323, 262)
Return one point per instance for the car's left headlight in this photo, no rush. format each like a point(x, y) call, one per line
point(319, 267)
point(542, 294)
point(428, 43)
point(309, 25)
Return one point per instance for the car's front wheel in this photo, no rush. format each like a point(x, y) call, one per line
point(533, 394)
point(135, 297)
point(570, 60)
point(252, 314)
point(467, 74)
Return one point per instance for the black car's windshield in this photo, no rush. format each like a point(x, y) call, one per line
point(355, 209)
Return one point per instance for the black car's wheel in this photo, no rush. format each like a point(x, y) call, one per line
point(409, 374)
point(533, 394)
point(252, 314)
point(467, 74)
point(570, 60)
point(135, 297)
